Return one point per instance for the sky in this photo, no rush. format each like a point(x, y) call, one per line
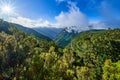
point(62, 13)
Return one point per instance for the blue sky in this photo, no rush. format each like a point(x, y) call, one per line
point(59, 12)
point(50, 8)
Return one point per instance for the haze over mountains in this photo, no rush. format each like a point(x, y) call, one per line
point(4, 26)
point(62, 36)
point(72, 16)
point(52, 32)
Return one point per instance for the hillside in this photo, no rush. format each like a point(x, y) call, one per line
point(64, 37)
point(91, 55)
point(4, 26)
point(50, 32)
point(93, 48)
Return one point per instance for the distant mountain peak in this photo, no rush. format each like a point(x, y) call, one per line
point(94, 25)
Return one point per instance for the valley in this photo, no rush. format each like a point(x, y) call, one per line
point(59, 40)
point(25, 55)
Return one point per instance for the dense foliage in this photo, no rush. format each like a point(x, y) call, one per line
point(94, 48)
point(90, 56)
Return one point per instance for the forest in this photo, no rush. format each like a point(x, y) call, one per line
point(89, 56)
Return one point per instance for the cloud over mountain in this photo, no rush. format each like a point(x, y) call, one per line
point(29, 22)
point(98, 25)
point(74, 17)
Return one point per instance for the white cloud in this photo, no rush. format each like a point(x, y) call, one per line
point(14, 17)
point(98, 25)
point(73, 18)
point(29, 22)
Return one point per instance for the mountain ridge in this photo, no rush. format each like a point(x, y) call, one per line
point(50, 32)
point(4, 26)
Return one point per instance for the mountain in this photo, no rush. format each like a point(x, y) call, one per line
point(50, 32)
point(64, 37)
point(68, 34)
point(85, 35)
point(4, 26)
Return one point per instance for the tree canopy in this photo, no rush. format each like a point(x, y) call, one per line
point(90, 56)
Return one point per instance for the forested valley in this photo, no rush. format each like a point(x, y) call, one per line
point(89, 56)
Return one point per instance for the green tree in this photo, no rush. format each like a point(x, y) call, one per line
point(111, 71)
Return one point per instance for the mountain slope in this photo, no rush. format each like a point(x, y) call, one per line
point(4, 26)
point(49, 31)
point(80, 39)
point(64, 37)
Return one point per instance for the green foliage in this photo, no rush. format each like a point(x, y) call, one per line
point(111, 70)
point(93, 48)
point(84, 73)
point(91, 56)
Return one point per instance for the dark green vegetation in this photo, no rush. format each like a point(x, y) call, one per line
point(90, 56)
